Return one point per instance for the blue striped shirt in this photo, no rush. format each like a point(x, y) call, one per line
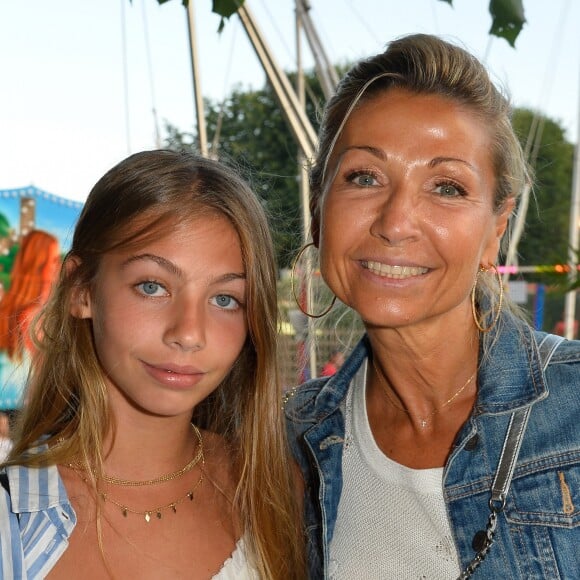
point(36, 521)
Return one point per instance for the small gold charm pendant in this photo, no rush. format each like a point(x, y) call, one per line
point(147, 517)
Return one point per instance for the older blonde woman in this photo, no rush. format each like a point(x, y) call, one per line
point(449, 441)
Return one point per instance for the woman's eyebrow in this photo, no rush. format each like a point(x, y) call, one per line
point(374, 151)
point(438, 160)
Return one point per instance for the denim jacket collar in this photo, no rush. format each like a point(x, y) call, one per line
point(502, 388)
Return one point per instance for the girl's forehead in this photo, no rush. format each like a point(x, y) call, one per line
point(155, 225)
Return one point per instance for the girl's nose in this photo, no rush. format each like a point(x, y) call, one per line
point(186, 326)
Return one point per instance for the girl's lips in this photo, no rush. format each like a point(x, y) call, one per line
point(395, 272)
point(175, 376)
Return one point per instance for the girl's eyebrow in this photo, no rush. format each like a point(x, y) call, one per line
point(176, 271)
point(165, 264)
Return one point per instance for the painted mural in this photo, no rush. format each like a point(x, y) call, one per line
point(35, 232)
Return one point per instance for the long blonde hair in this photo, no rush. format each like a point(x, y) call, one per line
point(67, 406)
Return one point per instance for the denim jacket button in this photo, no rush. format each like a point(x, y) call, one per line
point(472, 443)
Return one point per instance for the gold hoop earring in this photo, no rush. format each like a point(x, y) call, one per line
point(473, 306)
point(293, 276)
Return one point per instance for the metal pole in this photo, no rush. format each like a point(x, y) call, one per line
point(325, 70)
point(199, 111)
point(299, 124)
point(305, 198)
point(570, 304)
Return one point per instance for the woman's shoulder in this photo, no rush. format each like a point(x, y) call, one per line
point(298, 402)
point(568, 352)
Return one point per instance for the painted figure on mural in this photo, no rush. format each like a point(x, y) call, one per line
point(35, 269)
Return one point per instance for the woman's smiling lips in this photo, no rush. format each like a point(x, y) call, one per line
point(175, 376)
point(395, 272)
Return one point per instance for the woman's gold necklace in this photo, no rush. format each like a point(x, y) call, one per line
point(148, 514)
point(421, 421)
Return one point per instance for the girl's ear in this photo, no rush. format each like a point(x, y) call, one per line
point(80, 304)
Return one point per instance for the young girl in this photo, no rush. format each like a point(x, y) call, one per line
point(151, 444)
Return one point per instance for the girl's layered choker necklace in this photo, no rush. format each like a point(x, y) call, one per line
point(421, 421)
point(156, 512)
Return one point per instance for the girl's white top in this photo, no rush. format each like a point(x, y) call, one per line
point(237, 567)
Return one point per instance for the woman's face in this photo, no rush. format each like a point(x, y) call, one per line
point(408, 216)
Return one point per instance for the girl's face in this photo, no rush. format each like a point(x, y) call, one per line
point(169, 319)
point(407, 218)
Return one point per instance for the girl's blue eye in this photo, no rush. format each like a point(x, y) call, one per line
point(226, 302)
point(151, 288)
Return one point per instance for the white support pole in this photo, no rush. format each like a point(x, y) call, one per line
point(199, 110)
point(570, 304)
point(310, 346)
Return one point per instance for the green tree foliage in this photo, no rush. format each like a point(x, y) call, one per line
point(507, 18)
point(545, 240)
point(255, 139)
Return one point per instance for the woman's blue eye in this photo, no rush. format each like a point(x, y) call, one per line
point(225, 301)
point(450, 190)
point(151, 288)
point(363, 179)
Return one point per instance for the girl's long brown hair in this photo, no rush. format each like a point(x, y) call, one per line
point(139, 199)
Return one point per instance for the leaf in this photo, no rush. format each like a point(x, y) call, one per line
point(225, 8)
point(508, 19)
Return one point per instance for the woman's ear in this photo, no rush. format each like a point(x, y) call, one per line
point(80, 303)
point(491, 251)
point(504, 216)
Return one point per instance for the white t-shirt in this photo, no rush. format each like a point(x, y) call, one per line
point(392, 522)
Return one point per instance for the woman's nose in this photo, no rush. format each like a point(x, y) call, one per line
point(396, 220)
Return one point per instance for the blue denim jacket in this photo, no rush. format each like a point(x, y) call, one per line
point(538, 533)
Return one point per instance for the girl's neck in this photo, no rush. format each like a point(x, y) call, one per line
point(147, 449)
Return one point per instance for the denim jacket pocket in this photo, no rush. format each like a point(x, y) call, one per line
point(543, 514)
point(548, 498)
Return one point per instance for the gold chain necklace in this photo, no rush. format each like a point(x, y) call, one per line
point(148, 514)
point(162, 478)
point(422, 421)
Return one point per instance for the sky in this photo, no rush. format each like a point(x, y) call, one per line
point(85, 83)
